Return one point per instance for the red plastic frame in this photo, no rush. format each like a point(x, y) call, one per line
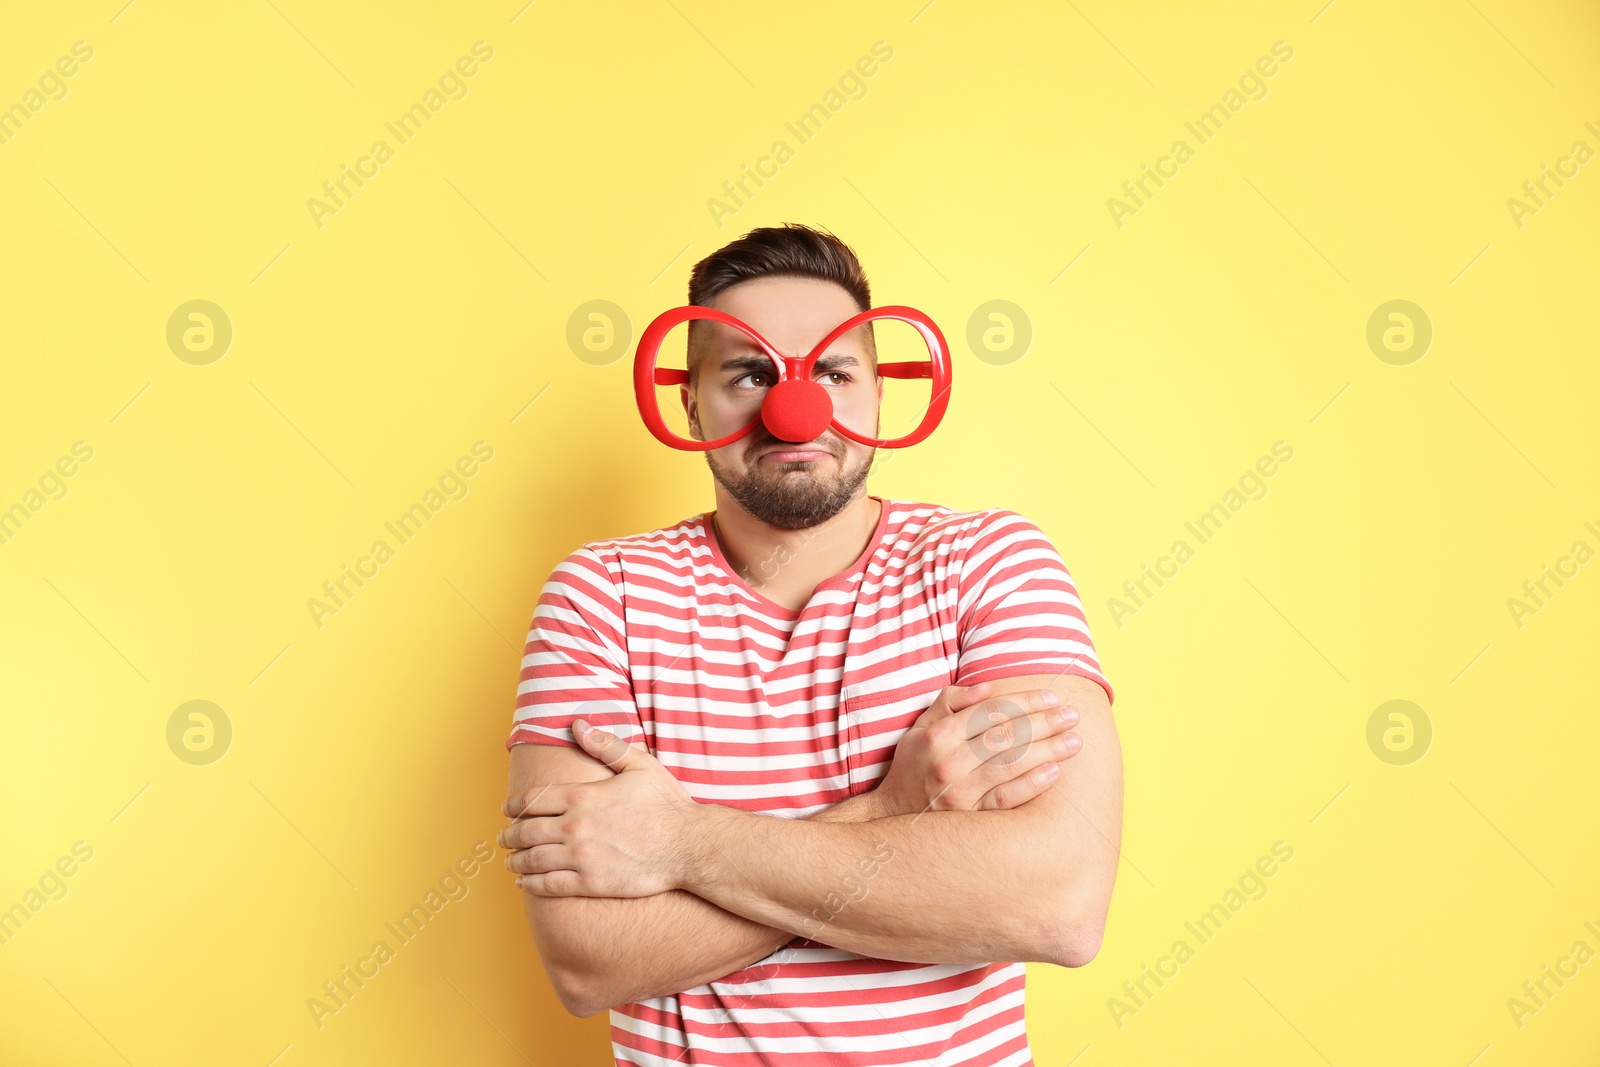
point(647, 376)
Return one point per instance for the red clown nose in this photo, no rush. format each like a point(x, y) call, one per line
point(797, 411)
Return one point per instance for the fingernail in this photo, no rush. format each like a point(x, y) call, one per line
point(519, 883)
point(581, 726)
point(1058, 716)
point(1051, 771)
point(1059, 746)
point(1050, 698)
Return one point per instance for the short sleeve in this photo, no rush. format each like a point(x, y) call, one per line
point(575, 662)
point(1018, 608)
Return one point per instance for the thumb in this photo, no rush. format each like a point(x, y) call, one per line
point(951, 699)
point(605, 746)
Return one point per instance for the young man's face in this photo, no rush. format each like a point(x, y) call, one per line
point(787, 485)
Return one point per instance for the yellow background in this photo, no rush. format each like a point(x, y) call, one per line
point(369, 353)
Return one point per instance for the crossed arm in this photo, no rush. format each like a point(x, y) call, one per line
point(603, 951)
point(1028, 883)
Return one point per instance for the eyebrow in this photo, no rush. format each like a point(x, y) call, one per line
point(829, 362)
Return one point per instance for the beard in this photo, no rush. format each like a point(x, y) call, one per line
point(788, 498)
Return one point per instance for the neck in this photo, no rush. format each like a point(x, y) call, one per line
point(793, 559)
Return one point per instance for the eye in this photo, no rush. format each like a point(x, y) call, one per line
point(845, 379)
point(766, 377)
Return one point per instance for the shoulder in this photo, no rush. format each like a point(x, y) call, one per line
point(614, 559)
point(662, 540)
point(1003, 531)
point(963, 532)
point(990, 552)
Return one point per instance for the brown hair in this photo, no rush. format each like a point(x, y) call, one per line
point(792, 250)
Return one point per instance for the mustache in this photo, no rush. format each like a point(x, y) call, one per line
point(826, 444)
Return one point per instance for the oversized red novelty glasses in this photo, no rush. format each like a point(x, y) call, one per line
point(796, 409)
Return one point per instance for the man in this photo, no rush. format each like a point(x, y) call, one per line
point(790, 780)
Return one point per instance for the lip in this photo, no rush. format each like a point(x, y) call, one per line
point(795, 455)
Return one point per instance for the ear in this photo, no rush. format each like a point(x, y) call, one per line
point(691, 408)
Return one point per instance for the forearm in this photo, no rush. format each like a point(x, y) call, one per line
point(615, 951)
point(620, 950)
point(939, 887)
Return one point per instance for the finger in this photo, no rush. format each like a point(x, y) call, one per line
point(1007, 740)
point(986, 714)
point(1018, 791)
point(605, 746)
point(554, 884)
point(1018, 761)
point(954, 698)
point(991, 728)
point(541, 859)
point(547, 799)
point(526, 833)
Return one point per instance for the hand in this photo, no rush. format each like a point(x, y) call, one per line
point(969, 751)
point(626, 836)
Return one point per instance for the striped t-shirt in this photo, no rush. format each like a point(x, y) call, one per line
point(761, 707)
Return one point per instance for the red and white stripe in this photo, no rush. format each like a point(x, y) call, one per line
point(757, 706)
